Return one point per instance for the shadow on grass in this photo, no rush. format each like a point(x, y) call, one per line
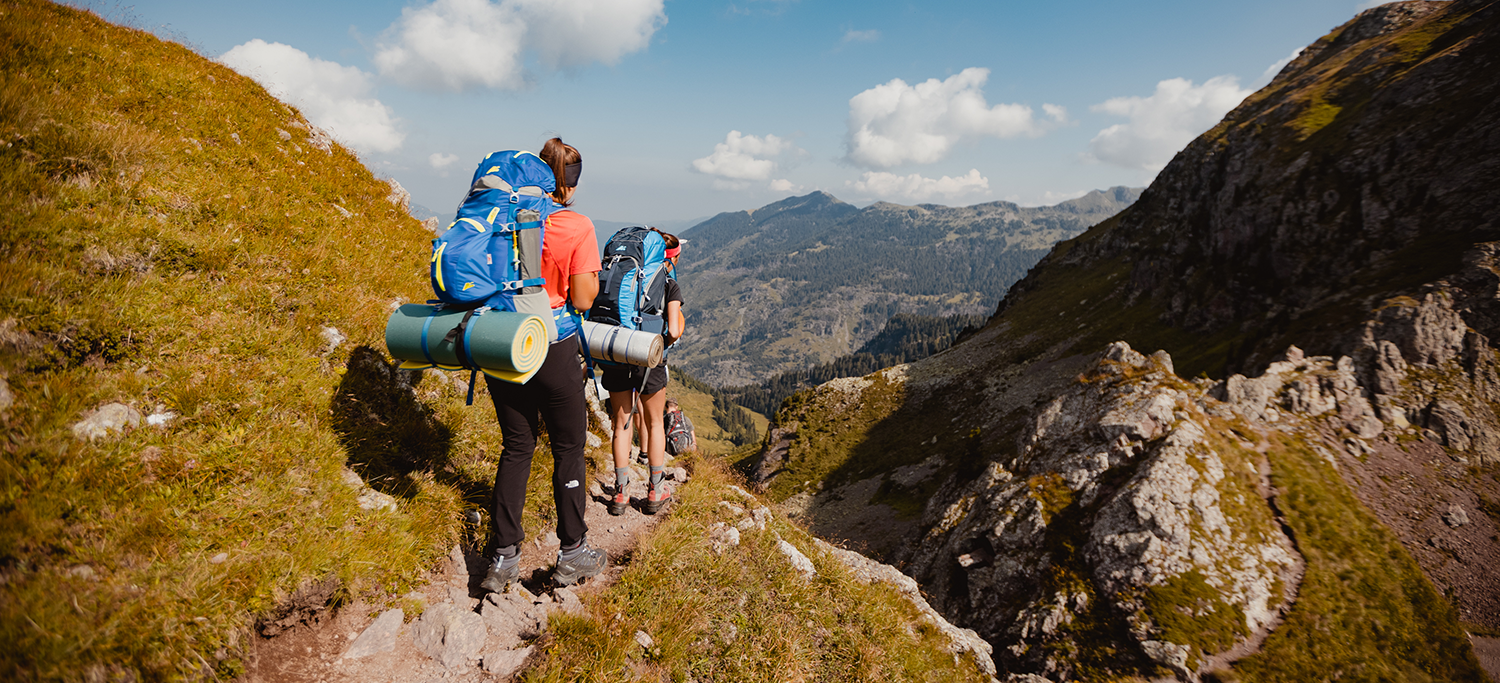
point(388, 433)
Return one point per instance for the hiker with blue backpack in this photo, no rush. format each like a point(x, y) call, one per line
point(637, 290)
point(556, 273)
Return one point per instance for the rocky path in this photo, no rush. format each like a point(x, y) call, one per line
point(462, 633)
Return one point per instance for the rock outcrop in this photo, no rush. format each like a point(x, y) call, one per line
point(1117, 494)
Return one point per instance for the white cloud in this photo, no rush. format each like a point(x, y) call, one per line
point(853, 36)
point(332, 96)
point(458, 44)
point(743, 157)
point(1163, 123)
point(1276, 68)
point(916, 188)
point(440, 160)
point(896, 123)
point(784, 185)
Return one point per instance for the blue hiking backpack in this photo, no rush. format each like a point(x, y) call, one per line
point(633, 281)
point(490, 256)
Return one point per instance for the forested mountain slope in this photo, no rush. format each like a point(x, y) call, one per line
point(1097, 513)
point(807, 279)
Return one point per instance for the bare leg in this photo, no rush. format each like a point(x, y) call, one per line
point(619, 404)
point(655, 406)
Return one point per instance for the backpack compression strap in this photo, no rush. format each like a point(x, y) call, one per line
point(459, 338)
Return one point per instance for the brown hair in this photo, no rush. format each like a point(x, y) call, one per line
point(670, 239)
point(558, 155)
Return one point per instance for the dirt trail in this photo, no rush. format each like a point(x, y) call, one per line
point(317, 652)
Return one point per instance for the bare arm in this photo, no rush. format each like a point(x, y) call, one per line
point(582, 288)
point(675, 321)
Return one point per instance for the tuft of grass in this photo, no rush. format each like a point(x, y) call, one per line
point(743, 616)
point(1051, 492)
point(1187, 610)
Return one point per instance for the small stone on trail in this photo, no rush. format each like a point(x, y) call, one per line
point(375, 500)
point(798, 560)
point(1456, 517)
point(505, 663)
point(379, 636)
point(644, 640)
point(332, 338)
point(111, 417)
point(7, 399)
point(723, 537)
point(449, 634)
point(221, 558)
point(567, 600)
point(82, 571)
point(593, 440)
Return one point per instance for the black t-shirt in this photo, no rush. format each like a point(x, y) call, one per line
point(674, 293)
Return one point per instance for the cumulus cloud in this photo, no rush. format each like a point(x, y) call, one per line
point(459, 44)
point(332, 96)
point(1163, 123)
point(915, 188)
point(897, 123)
point(743, 157)
point(853, 36)
point(440, 160)
point(784, 185)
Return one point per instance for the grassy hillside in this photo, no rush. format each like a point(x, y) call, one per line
point(176, 240)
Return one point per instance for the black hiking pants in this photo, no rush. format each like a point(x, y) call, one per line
point(555, 396)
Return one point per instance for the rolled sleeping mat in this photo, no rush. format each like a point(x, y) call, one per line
point(507, 346)
point(620, 345)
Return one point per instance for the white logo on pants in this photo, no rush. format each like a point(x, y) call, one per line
point(571, 485)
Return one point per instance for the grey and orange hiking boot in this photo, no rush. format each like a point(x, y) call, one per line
point(578, 562)
point(656, 499)
point(619, 503)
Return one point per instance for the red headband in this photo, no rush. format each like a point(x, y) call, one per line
point(674, 251)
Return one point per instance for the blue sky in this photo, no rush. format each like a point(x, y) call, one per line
point(685, 109)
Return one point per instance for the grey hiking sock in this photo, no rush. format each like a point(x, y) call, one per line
point(567, 553)
point(622, 478)
point(658, 473)
point(509, 556)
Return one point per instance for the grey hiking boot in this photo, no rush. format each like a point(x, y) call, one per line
point(500, 576)
point(584, 563)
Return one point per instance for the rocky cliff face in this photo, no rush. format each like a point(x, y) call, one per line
point(1097, 515)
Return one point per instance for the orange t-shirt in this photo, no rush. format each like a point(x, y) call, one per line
point(569, 248)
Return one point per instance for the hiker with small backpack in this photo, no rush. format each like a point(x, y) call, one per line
point(554, 395)
point(680, 435)
point(637, 290)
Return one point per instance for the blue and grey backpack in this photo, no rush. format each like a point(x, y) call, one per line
point(633, 281)
point(490, 256)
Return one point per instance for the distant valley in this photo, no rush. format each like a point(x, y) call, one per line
point(808, 279)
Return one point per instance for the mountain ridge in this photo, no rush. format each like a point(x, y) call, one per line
point(1317, 277)
point(807, 279)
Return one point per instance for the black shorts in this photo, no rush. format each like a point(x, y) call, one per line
point(628, 378)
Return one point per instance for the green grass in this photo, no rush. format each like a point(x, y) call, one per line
point(1364, 610)
point(743, 616)
point(153, 260)
point(827, 435)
